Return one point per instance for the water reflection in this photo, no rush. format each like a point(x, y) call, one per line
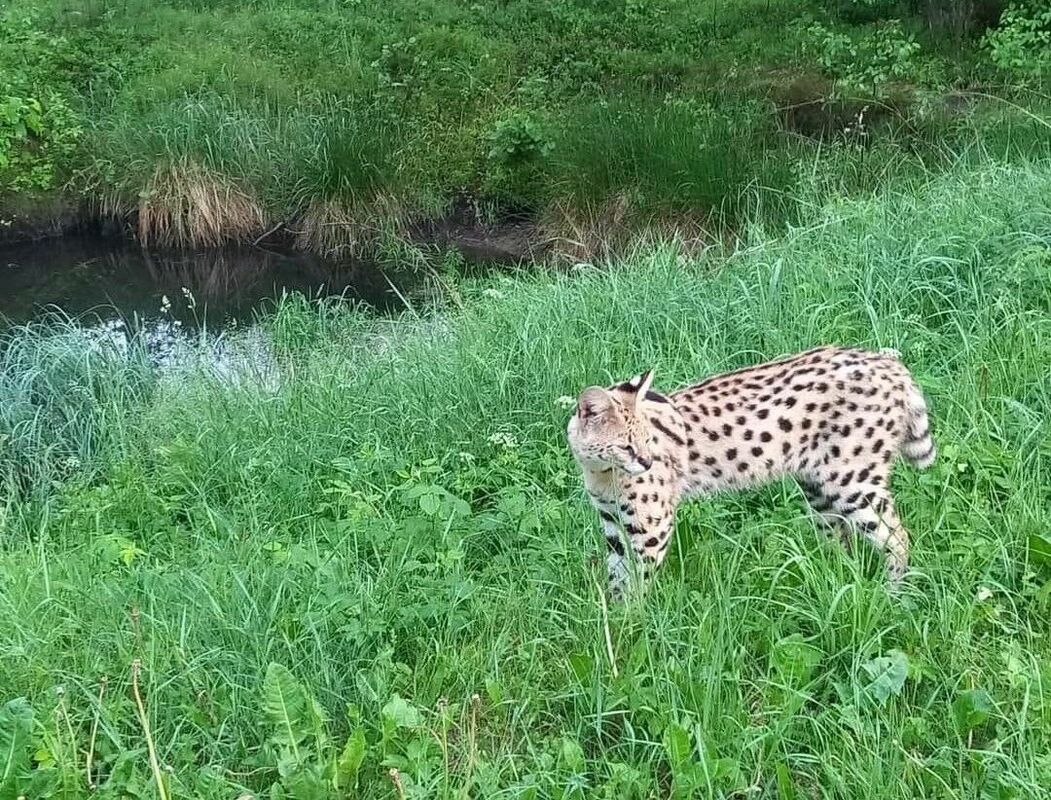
point(82, 274)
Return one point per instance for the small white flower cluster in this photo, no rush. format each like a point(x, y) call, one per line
point(504, 439)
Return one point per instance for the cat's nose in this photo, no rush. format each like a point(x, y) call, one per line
point(645, 462)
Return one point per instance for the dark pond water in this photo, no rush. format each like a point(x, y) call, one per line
point(111, 279)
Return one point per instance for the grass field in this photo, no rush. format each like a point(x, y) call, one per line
point(193, 122)
point(377, 580)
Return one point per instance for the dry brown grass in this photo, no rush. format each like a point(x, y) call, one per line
point(334, 229)
point(186, 205)
point(614, 230)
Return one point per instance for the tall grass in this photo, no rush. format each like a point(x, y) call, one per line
point(678, 157)
point(400, 526)
point(65, 399)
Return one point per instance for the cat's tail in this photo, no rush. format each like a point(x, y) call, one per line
point(918, 448)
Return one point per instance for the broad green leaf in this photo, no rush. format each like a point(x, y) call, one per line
point(16, 727)
point(289, 712)
point(494, 691)
point(794, 659)
point(582, 664)
point(971, 709)
point(888, 674)
point(305, 783)
point(1040, 549)
point(572, 755)
point(678, 747)
point(402, 713)
point(350, 759)
point(429, 504)
point(785, 788)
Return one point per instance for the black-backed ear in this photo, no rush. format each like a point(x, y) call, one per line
point(644, 381)
point(593, 402)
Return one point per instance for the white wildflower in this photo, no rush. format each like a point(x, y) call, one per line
point(504, 439)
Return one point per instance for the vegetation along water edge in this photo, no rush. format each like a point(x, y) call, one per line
point(337, 126)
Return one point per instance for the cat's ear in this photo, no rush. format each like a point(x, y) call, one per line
point(593, 402)
point(643, 381)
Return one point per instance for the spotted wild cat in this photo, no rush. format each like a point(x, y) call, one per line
point(833, 418)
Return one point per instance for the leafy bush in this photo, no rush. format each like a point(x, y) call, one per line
point(36, 140)
point(868, 62)
point(517, 145)
point(1021, 45)
point(38, 128)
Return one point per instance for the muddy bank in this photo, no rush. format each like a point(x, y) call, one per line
point(32, 219)
point(506, 239)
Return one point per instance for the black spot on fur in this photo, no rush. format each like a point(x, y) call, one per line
point(784, 424)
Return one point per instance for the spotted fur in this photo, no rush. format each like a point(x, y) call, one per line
point(835, 419)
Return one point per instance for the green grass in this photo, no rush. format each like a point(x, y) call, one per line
point(400, 526)
point(401, 109)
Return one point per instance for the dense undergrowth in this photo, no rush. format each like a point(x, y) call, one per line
point(336, 123)
point(376, 579)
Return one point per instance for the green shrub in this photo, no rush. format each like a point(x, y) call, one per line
point(39, 129)
point(517, 146)
point(865, 62)
point(1021, 44)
